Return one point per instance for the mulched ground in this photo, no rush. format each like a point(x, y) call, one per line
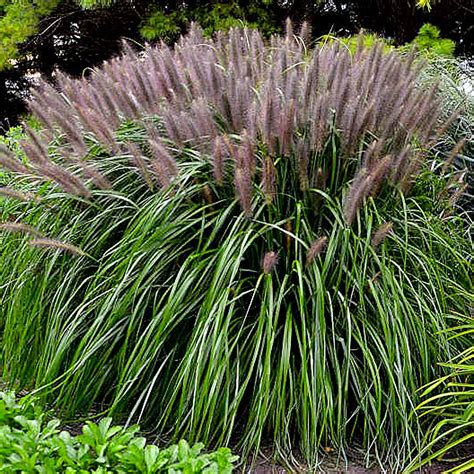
point(264, 465)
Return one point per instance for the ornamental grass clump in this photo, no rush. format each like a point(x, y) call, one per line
point(241, 245)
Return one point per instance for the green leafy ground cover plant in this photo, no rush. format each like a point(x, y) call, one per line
point(237, 240)
point(31, 441)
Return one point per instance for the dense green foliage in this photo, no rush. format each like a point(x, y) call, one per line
point(307, 311)
point(428, 39)
point(31, 441)
point(12, 139)
point(427, 42)
point(212, 17)
point(18, 21)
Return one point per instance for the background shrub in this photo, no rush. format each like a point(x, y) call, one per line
point(428, 39)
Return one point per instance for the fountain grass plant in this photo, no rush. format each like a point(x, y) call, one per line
point(237, 242)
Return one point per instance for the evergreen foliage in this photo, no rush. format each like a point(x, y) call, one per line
point(212, 17)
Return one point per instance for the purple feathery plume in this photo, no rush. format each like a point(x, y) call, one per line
point(381, 233)
point(53, 244)
point(8, 192)
point(317, 248)
point(10, 162)
point(19, 227)
point(269, 178)
point(219, 156)
point(163, 163)
point(138, 160)
point(270, 262)
point(238, 96)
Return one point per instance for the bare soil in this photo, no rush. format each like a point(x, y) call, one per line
point(264, 465)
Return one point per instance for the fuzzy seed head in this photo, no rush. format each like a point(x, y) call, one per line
point(317, 248)
point(381, 233)
point(52, 244)
point(270, 261)
point(20, 228)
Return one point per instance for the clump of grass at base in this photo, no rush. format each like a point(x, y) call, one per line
point(259, 257)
